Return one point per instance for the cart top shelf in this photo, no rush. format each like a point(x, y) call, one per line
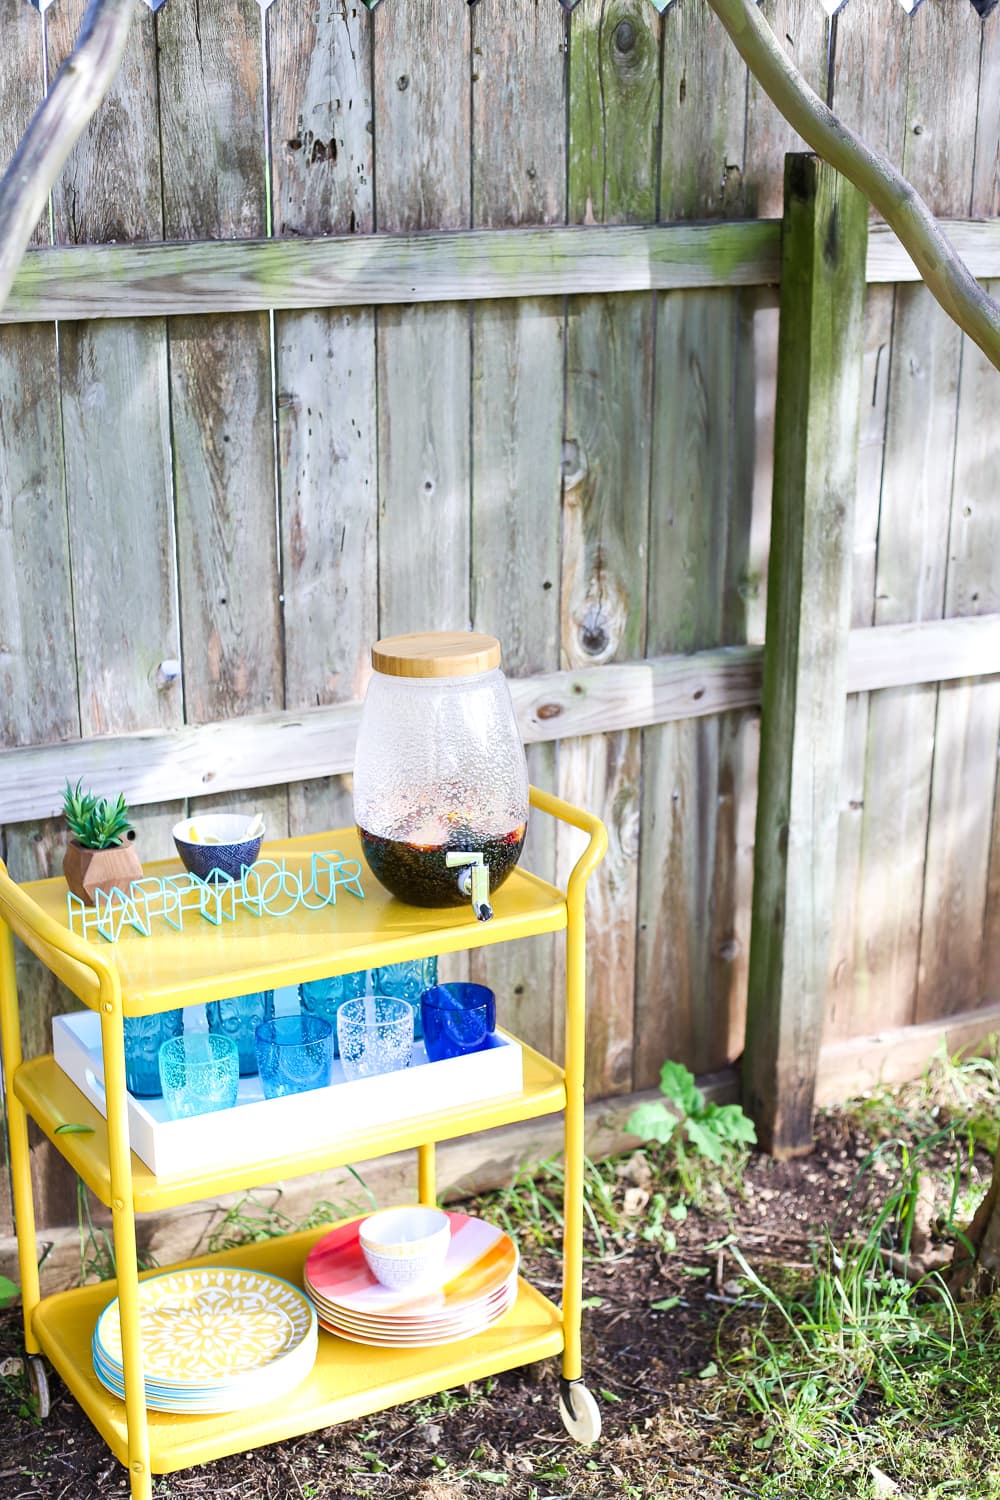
point(205, 961)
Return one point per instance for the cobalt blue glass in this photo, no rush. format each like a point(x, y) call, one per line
point(239, 1018)
point(294, 1054)
point(143, 1038)
point(324, 997)
point(458, 1019)
point(407, 981)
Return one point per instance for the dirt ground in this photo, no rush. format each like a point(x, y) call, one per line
point(652, 1370)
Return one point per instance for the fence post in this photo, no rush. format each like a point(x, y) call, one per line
point(824, 241)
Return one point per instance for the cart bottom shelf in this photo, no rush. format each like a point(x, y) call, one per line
point(347, 1381)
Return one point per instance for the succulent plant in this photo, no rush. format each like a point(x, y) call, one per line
point(95, 822)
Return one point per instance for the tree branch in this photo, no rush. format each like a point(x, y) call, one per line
point(946, 275)
point(78, 88)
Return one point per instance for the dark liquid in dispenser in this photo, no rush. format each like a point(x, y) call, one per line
point(418, 874)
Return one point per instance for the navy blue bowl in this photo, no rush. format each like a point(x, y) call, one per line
point(228, 856)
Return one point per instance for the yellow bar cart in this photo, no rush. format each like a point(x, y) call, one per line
point(140, 975)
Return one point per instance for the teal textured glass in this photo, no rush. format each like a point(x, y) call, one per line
point(144, 1036)
point(324, 997)
point(199, 1073)
point(294, 1054)
point(407, 981)
point(239, 1018)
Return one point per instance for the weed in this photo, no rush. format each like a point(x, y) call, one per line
point(97, 1248)
point(696, 1131)
point(531, 1207)
point(251, 1220)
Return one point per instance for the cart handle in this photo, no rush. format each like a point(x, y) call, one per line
point(37, 929)
point(587, 822)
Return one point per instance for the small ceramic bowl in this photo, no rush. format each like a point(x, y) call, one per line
point(215, 842)
point(406, 1247)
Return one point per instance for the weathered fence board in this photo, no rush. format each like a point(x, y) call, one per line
point(872, 101)
point(519, 177)
point(321, 170)
point(913, 527)
point(951, 975)
point(36, 619)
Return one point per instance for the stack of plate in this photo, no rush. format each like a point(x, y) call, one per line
point(479, 1285)
point(214, 1339)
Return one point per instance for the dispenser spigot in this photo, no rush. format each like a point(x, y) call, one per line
point(474, 879)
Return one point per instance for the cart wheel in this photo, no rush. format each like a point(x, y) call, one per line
point(38, 1382)
point(581, 1415)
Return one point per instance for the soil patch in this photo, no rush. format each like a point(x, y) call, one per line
point(651, 1369)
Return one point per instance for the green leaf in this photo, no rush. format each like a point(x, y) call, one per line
point(695, 1270)
point(704, 1140)
point(665, 1304)
point(489, 1476)
point(710, 1369)
point(677, 1082)
point(69, 1129)
point(652, 1122)
point(763, 1443)
point(607, 1395)
point(592, 1302)
point(730, 1123)
point(679, 1211)
point(9, 1291)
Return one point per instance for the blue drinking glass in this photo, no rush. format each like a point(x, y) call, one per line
point(239, 1018)
point(324, 997)
point(458, 1019)
point(144, 1035)
point(407, 981)
point(199, 1073)
point(294, 1054)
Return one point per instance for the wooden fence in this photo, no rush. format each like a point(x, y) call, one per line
point(439, 317)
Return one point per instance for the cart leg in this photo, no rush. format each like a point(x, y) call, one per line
point(17, 1130)
point(426, 1175)
point(123, 1227)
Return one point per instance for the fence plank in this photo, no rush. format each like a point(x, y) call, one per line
point(687, 949)
point(321, 154)
point(873, 102)
point(913, 525)
point(519, 177)
point(805, 658)
point(211, 114)
point(422, 110)
point(614, 114)
point(114, 281)
point(267, 749)
point(36, 619)
point(953, 943)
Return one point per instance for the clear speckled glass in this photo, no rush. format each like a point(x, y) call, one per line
point(239, 1018)
point(294, 1054)
point(199, 1073)
point(144, 1035)
point(407, 981)
point(376, 1036)
point(458, 1019)
point(324, 997)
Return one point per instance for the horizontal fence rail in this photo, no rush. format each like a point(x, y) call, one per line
point(271, 749)
point(156, 280)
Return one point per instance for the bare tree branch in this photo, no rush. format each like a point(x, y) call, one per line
point(946, 275)
point(78, 88)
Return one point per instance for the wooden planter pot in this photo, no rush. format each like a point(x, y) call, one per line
point(90, 870)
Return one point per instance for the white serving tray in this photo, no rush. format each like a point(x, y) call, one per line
point(257, 1130)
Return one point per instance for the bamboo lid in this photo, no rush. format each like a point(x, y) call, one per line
point(439, 653)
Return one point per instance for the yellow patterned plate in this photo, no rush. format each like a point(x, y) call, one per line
point(211, 1325)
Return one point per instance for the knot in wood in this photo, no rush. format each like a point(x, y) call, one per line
point(624, 36)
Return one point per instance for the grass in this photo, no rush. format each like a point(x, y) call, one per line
point(853, 1380)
